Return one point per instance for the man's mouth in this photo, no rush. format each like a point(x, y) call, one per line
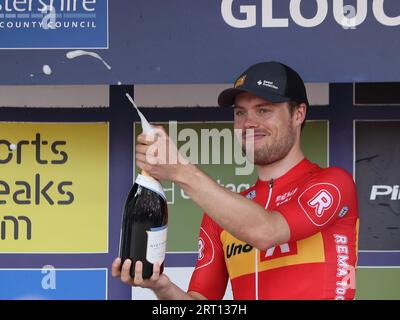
point(251, 137)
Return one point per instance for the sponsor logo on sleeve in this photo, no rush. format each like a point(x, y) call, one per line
point(343, 211)
point(320, 202)
point(346, 272)
point(201, 249)
point(206, 250)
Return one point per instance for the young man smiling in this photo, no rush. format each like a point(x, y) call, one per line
point(293, 235)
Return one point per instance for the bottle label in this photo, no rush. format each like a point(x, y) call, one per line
point(151, 184)
point(156, 244)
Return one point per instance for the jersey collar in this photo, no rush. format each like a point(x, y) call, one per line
point(297, 171)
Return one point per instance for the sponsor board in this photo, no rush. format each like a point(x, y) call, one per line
point(53, 188)
point(377, 156)
point(49, 283)
point(49, 24)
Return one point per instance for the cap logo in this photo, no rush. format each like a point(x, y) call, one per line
point(266, 83)
point(239, 82)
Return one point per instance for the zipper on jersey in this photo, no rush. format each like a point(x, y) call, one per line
point(271, 185)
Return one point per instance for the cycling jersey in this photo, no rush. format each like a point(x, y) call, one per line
point(318, 262)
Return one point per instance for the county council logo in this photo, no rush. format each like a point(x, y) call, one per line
point(53, 24)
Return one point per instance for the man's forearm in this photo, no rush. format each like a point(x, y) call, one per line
point(173, 292)
point(243, 218)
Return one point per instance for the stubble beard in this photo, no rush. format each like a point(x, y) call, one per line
point(270, 153)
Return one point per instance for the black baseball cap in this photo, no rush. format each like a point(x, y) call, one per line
point(272, 81)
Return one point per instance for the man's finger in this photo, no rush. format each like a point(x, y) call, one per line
point(138, 273)
point(116, 267)
point(156, 272)
point(152, 150)
point(125, 271)
point(151, 158)
point(140, 157)
point(159, 128)
point(146, 139)
point(141, 148)
point(140, 164)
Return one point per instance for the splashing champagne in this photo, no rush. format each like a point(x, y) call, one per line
point(145, 219)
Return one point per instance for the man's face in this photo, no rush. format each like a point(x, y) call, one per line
point(274, 132)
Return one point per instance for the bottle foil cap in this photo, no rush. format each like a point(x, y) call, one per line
point(151, 184)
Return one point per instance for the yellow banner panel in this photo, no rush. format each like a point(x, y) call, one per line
point(53, 188)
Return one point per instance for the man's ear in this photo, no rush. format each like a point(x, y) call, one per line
point(300, 113)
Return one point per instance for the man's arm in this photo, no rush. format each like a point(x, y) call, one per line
point(173, 292)
point(243, 218)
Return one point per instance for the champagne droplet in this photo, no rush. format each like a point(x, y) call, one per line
point(147, 128)
point(47, 70)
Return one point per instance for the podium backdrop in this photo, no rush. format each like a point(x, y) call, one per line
point(65, 172)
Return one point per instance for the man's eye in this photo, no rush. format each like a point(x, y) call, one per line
point(264, 110)
point(239, 113)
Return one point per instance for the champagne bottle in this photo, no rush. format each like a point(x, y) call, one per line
point(144, 226)
point(145, 220)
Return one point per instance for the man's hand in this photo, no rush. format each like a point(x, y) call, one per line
point(158, 282)
point(158, 155)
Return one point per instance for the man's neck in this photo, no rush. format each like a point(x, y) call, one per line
point(279, 168)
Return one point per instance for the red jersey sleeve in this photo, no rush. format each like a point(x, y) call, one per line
point(328, 196)
point(210, 276)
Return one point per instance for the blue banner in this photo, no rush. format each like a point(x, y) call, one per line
point(53, 284)
point(208, 41)
point(53, 24)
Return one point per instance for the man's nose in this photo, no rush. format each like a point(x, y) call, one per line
point(250, 121)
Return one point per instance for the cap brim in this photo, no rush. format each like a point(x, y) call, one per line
point(227, 97)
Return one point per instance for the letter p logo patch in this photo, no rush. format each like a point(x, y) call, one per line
point(320, 202)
